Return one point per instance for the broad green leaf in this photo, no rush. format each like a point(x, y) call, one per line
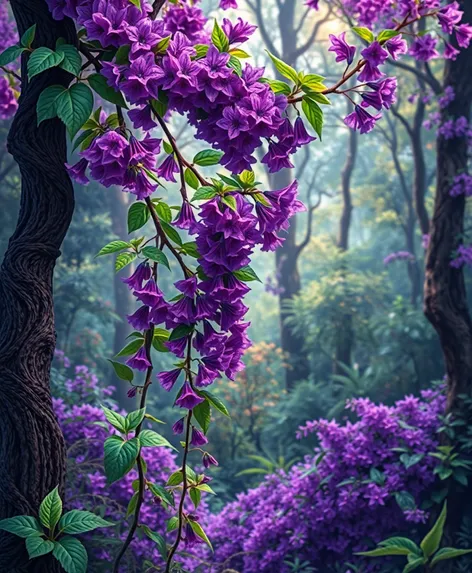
point(197, 528)
point(138, 216)
point(405, 500)
point(384, 551)
point(131, 348)
point(37, 546)
point(207, 157)
point(387, 35)
point(403, 542)
point(46, 108)
point(161, 493)
point(133, 502)
point(115, 419)
point(314, 114)
point(219, 38)
point(122, 55)
point(72, 62)
point(11, 54)
point(239, 53)
point(71, 554)
point(85, 138)
point(28, 37)
point(195, 496)
point(201, 50)
point(230, 201)
point(175, 479)
point(43, 59)
point(284, 69)
point(123, 260)
point(204, 193)
point(156, 255)
point(136, 3)
point(122, 371)
point(99, 84)
point(215, 401)
point(113, 247)
point(246, 274)
point(162, 45)
point(364, 33)
point(319, 98)
point(50, 510)
point(236, 65)
point(181, 331)
point(22, 526)
point(151, 439)
point(120, 457)
point(279, 87)
point(163, 211)
point(133, 419)
point(191, 249)
point(191, 179)
point(171, 233)
point(202, 413)
point(172, 524)
point(449, 553)
point(74, 107)
point(76, 521)
point(412, 565)
point(432, 539)
point(158, 540)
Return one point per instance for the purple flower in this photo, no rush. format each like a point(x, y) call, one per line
point(198, 438)
point(188, 398)
point(396, 46)
point(343, 51)
point(186, 218)
point(424, 48)
point(463, 35)
point(141, 274)
point(168, 379)
point(139, 361)
point(228, 4)
point(239, 32)
point(140, 319)
point(234, 122)
point(450, 53)
point(167, 168)
point(208, 460)
point(449, 16)
point(149, 294)
point(132, 392)
point(374, 56)
point(300, 134)
point(178, 427)
point(77, 171)
point(361, 119)
point(187, 286)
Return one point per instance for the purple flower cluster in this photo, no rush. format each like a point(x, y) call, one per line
point(454, 128)
point(399, 256)
point(327, 512)
point(447, 98)
point(8, 103)
point(462, 185)
point(462, 257)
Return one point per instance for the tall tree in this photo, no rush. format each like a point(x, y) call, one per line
point(32, 452)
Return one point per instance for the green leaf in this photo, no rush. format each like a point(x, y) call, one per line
point(71, 554)
point(319, 98)
point(133, 419)
point(115, 419)
point(74, 107)
point(364, 33)
point(122, 371)
point(246, 274)
point(207, 157)
point(161, 493)
point(72, 62)
point(204, 193)
point(279, 87)
point(151, 439)
point(175, 479)
point(122, 55)
point(197, 528)
point(28, 37)
point(85, 138)
point(181, 331)
point(202, 413)
point(239, 53)
point(219, 38)
point(133, 502)
point(76, 521)
point(10, 55)
point(405, 500)
point(215, 401)
point(403, 542)
point(46, 108)
point(191, 249)
point(120, 457)
point(201, 49)
point(136, 3)
point(387, 35)
point(284, 69)
point(195, 496)
point(22, 526)
point(384, 551)
point(171, 233)
point(130, 348)
point(113, 247)
point(123, 260)
point(162, 45)
point(236, 65)
point(50, 510)
point(43, 59)
point(412, 565)
point(159, 107)
point(449, 553)
point(156, 255)
point(138, 216)
point(172, 524)
point(230, 201)
point(158, 540)
point(191, 179)
point(163, 211)
point(432, 539)
point(99, 84)
point(314, 114)
point(37, 546)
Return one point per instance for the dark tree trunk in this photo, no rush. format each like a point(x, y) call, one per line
point(123, 299)
point(32, 451)
point(345, 332)
point(445, 294)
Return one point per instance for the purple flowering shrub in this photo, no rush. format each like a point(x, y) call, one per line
point(8, 103)
point(355, 490)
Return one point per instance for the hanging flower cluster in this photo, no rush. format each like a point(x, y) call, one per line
point(8, 103)
point(153, 61)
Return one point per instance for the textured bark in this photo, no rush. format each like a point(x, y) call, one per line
point(123, 299)
point(344, 330)
point(445, 295)
point(32, 451)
